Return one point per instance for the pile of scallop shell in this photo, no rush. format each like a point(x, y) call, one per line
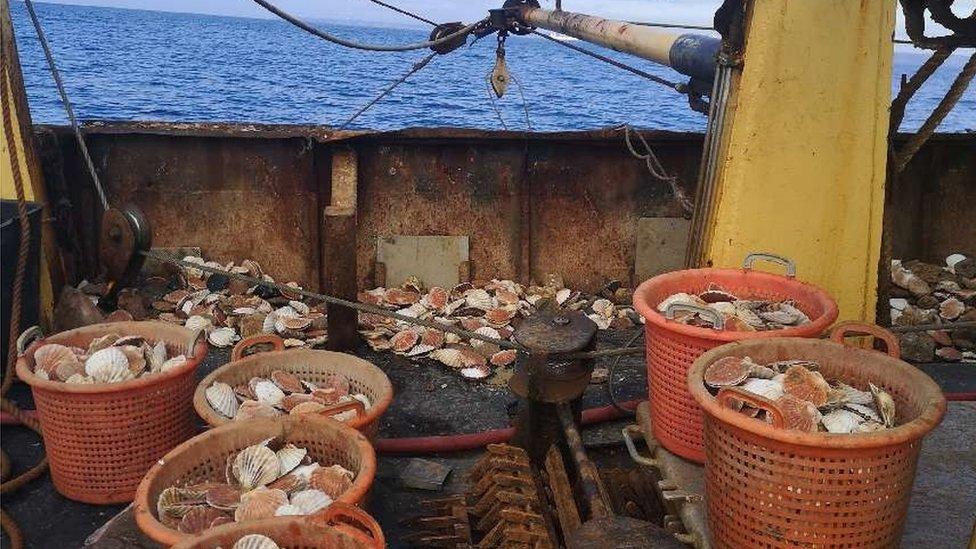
point(493, 310)
point(111, 358)
point(229, 309)
point(746, 315)
point(283, 393)
point(925, 293)
point(255, 541)
point(808, 401)
point(259, 483)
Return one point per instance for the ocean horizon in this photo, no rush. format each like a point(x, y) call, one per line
point(137, 65)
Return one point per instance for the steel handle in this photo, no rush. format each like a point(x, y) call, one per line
point(353, 521)
point(726, 394)
point(717, 320)
point(244, 345)
point(27, 337)
point(787, 263)
point(854, 328)
point(632, 448)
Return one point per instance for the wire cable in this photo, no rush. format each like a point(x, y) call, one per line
point(416, 67)
point(403, 12)
point(359, 45)
point(67, 104)
point(655, 167)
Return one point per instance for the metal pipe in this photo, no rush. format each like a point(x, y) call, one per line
point(590, 484)
point(690, 54)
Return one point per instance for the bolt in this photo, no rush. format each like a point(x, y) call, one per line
point(560, 320)
point(115, 233)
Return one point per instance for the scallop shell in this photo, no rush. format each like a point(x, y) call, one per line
point(503, 358)
point(255, 466)
point(449, 357)
point(436, 298)
point(432, 338)
point(312, 407)
point(57, 361)
point(287, 381)
point(404, 341)
point(769, 388)
point(289, 457)
point(175, 501)
point(473, 323)
point(199, 519)
point(885, 405)
point(480, 371)
point(223, 496)
point(806, 385)
point(338, 382)
point(221, 397)
point(222, 337)
point(294, 399)
point(367, 404)
point(156, 356)
point(255, 541)
point(601, 321)
point(478, 299)
point(292, 324)
point(715, 294)
point(290, 483)
point(841, 420)
point(197, 322)
point(333, 480)
point(79, 378)
point(506, 297)
point(951, 308)
point(136, 357)
point(108, 365)
point(799, 415)
point(102, 342)
point(267, 392)
point(260, 503)
point(562, 295)
point(727, 371)
point(397, 296)
point(174, 362)
point(311, 501)
point(244, 392)
point(289, 510)
point(486, 331)
point(679, 298)
point(605, 308)
point(499, 316)
point(419, 350)
point(250, 409)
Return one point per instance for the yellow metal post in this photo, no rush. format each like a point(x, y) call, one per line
point(27, 162)
point(801, 168)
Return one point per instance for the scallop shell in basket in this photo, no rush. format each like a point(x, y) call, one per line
point(806, 385)
point(287, 381)
point(680, 297)
point(223, 400)
point(333, 480)
point(255, 541)
point(197, 322)
point(799, 415)
point(102, 342)
point(290, 483)
point(404, 340)
point(260, 503)
point(255, 466)
point(289, 510)
point(79, 378)
point(136, 358)
point(289, 457)
point(174, 362)
point(885, 405)
point(198, 519)
point(841, 420)
point(449, 357)
point(108, 365)
point(312, 407)
point(266, 392)
point(727, 371)
point(311, 501)
point(292, 400)
point(156, 356)
point(222, 337)
point(49, 358)
point(338, 382)
point(223, 496)
point(175, 501)
point(769, 388)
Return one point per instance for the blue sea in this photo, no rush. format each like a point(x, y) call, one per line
point(121, 64)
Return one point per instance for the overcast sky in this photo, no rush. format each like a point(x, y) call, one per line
point(690, 12)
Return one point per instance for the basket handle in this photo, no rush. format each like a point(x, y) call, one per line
point(772, 258)
point(845, 329)
point(245, 344)
point(353, 521)
point(25, 339)
point(726, 394)
point(717, 320)
point(339, 408)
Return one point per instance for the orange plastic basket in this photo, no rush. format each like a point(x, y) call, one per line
point(672, 347)
point(203, 458)
point(771, 487)
point(339, 526)
point(101, 439)
point(315, 366)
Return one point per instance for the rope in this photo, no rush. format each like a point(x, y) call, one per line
point(654, 78)
point(67, 104)
point(945, 106)
point(656, 169)
point(416, 67)
point(6, 522)
point(358, 45)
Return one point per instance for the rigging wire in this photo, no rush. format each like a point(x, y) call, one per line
point(655, 167)
point(413, 70)
point(403, 12)
point(463, 32)
point(103, 199)
point(494, 102)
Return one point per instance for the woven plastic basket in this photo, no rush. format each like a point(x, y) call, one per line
point(672, 347)
point(772, 487)
point(203, 458)
point(309, 365)
point(339, 526)
point(101, 439)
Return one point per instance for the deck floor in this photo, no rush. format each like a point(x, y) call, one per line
point(431, 401)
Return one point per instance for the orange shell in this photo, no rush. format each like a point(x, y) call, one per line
point(199, 519)
point(307, 408)
point(404, 341)
point(260, 503)
point(499, 316)
point(293, 400)
point(437, 297)
point(56, 360)
point(799, 415)
point(332, 480)
point(472, 323)
point(223, 496)
point(806, 385)
point(289, 483)
point(503, 357)
point(433, 338)
point(287, 381)
point(327, 396)
point(396, 296)
point(251, 409)
point(727, 371)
